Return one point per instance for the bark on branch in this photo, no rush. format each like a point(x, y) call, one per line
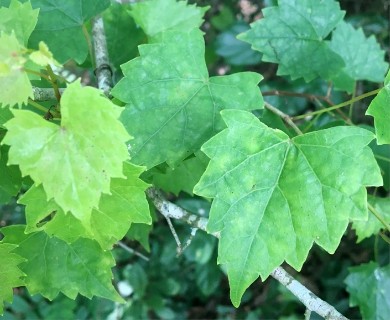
point(308, 298)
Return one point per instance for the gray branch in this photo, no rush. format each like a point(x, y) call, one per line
point(103, 70)
point(308, 298)
point(45, 94)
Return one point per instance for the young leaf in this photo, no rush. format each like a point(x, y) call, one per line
point(292, 35)
point(15, 87)
point(380, 109)
point(43, 56)
point(157, 16)
point(369, 288)
point(60, 26)
point(10, 177)
point(184, 177)
point(19, 18)
point(74, 161)
point(369, 64)
point(10, 274)
point(127, 204)
point(275, 196)
point(365, 229)
point(169, 85)
point(53, 266)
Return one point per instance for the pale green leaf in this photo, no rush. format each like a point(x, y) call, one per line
point(363, 57)
point(19, 18)
point(61, 26)
point(127, 204)
point(380, 109)
point(274, 196)
point(10, 274)
point(369, 289)
point(53, 266)
point(10, 178)
point(365, 229)
point(15, 87)
point(292, 35)
point(43, 56)
point(157, 16)
point(184, 177)
point(170, 87)
point(76, 160)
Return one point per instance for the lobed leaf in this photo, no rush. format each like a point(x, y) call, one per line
point(169, 85)
point(369, 289)
point(369, 64)
point(19, 18)
point(158, 16)
point(379, 108)
point(78, 154)
point(10, 273)
point(125, 205)
point(275, 196)
point(53, 266)
point(61, 26)
point(292, 35)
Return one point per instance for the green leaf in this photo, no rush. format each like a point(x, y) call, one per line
point(369, 64)
point(140, 232)
point(10, 274)
point(19, 18)
point(184, 177)
point(15, 87)
point(293, 34)
point(274, 196)
point(158, 16)
point(53, 266)
point(234, 51)
point(60, 26)
point(180, 101)
point(369, 289)
point(365, 229)
point(10, 178)
point(122, 46)
point(127, 204)
point(380, 109)
point(76, 160)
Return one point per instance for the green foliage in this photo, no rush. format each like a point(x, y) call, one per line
point(247, 204)
point(177, 17)
point(79, 140)
point(277, 185)
point(369, 64)
point(86, 266)
point(19, 18)
point(365, 229)
point(10, 275)
point(293, 35)
point(379, 109)
point(369, 287)
point(15, 86)
point(177, 96)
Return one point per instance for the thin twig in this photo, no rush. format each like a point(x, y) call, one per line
point(132, 251)
point(103, 70)
point(308, 298)
point(284, 116)
point(174, 233)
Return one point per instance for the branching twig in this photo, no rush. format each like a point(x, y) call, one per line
point(308, 298)
point(103, 70)
point(284, 116)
